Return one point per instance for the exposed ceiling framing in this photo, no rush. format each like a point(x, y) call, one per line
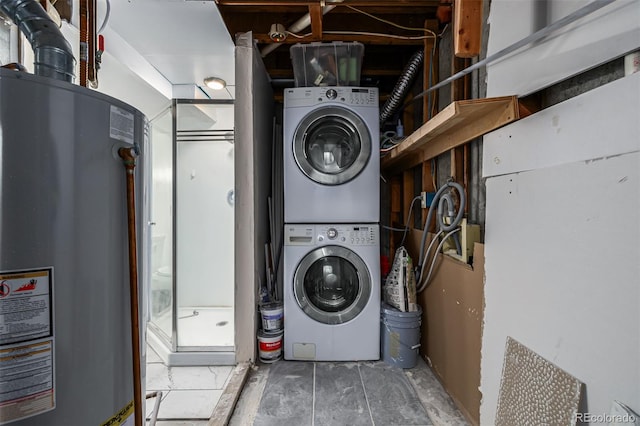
point(387, 47)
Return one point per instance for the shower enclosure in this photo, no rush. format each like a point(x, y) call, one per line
point(191, 221)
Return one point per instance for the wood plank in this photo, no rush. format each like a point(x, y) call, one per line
point(227, 402)
point(264, 38)
point(430, 70)
point(396, 210)
point(400, 4)
point(315, 12)
point(455, 125)
point(467, 28)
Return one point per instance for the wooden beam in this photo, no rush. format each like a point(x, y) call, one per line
point(407, 196)
point(396, 209)
point(455, 125)
point(430, 70)
point(315, 12)
point(264, 38)
point(467, 28)
point(399, 4)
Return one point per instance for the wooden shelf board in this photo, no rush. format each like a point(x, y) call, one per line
point(455, 125)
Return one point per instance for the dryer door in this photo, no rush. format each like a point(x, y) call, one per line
point(332, 284)
point(332, 145)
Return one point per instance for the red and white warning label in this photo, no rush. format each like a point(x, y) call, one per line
point(26, 344)
point(25, 306)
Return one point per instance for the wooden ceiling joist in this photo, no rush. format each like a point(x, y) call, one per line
point(315, 12)
point(355, 3)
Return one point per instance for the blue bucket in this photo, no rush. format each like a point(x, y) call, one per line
point(400, 339)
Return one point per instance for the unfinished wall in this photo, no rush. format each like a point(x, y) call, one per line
point(595, 39)
point(562, 259)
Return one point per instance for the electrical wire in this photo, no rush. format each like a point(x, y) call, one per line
point(406, 227)
point(438, 202)
point(107, 15)
point(399, 37)
point(391, 23)
point(296, 35)
point(389, 140)
point(391, 228)
point(435, 238)
point(380, 35)
point(425, 284)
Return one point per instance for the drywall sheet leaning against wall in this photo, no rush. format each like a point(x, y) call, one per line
point(600, 123)
point(562, 273)
point(452, 311)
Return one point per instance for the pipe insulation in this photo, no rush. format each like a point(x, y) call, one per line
point(53, 53)
point(402, 86)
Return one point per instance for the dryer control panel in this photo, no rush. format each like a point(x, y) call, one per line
point(311, 96)
point(350, 235)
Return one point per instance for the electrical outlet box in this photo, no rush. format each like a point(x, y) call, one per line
point(426, 198)
point(469, 235)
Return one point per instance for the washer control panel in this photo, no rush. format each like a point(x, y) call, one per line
point(350, 235)
point(311, 96)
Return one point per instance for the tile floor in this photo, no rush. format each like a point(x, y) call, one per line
point(290, 393)
point(189, 394)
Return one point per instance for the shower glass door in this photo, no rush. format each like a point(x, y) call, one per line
point(204, 224)
point(161, 228)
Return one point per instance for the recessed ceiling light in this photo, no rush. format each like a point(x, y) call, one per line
point(215, 83)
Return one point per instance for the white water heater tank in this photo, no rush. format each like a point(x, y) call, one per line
point(65, 328)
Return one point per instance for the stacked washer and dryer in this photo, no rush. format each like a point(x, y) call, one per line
point(331, 232)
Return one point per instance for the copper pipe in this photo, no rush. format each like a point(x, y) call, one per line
point(129, 159)
point(91, 43)
point(84, 42)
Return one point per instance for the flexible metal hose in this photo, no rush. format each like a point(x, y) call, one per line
point(402, 86)
point(53, 53)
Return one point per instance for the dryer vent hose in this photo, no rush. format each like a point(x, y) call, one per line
point(402, 86)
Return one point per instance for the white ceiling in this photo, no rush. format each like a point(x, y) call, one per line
point(184, 41)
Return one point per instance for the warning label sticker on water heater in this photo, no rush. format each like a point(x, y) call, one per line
point(26, 344)
point(25, 306)
point(121, 125)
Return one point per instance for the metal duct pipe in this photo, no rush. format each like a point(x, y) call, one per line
point(402, 86)
point(299, 25)
point(53, 53)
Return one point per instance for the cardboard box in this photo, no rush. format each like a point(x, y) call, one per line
point(452, 318)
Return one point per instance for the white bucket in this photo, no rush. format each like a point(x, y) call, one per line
point(272, 317)
point(269, 346)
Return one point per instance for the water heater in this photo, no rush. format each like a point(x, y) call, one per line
point(65, 325)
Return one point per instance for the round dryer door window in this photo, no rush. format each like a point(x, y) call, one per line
point(332, 145)
point(332, 285)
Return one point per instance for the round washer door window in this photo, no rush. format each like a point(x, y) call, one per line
point(332, 285)
point(332, 145)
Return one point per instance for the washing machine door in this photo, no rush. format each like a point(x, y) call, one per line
point(332, 145)
point(332, 284)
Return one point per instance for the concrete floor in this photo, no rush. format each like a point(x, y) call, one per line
point(290, 393)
